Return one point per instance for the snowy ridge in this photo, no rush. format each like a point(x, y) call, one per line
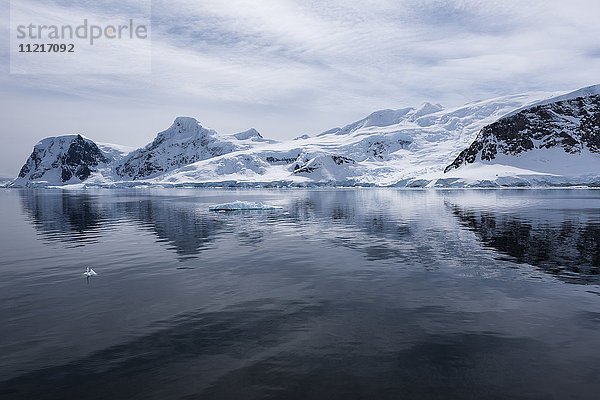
point(407, 147)
point(383, 118)
point(550, 143)
point(185, 142)
point(583, 92)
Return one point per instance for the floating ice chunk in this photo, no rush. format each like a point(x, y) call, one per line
point(242, 205)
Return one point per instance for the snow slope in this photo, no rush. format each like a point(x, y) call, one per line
point(551, 143)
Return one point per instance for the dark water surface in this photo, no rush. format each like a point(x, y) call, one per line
point(341, 294)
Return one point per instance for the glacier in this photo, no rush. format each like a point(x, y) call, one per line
point(540, 139)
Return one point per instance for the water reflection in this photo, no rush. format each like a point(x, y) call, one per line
point(569, 249)
point(340, 294)
point(402, 226)
point(74, 218)
point(385, 225)
point(81, 218)
point(186, 230)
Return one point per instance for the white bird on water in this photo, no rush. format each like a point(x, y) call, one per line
point(89, 272)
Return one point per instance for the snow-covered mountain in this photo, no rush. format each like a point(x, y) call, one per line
point(552, 142)
point(489, 140)
point(185, 142)
point(63, 160)
point(406, 147)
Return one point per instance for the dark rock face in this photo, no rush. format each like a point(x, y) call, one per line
point(339, 160)
point(149, 161)
point(281, 160)
point(140, 167)
point(32, 163)
point(308, 166)
point(380, 149)
point(80, 159)
point(573, 125)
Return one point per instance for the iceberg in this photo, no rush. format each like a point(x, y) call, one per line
point(242, 205)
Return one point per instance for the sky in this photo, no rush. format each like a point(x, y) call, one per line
point(290, 67)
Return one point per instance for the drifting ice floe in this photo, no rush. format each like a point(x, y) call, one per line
point(241, 205)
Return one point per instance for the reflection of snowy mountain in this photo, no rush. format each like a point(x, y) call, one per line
point(186, 232)
point(409, 147)
point(79, 218)
point(563, 248)
point(557, 232)
point(74, 218)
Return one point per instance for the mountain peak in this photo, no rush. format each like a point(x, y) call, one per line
point(185, 124)
point(426, 109)
point(386, 117)
point(249, 134)
point(183, 129)
point(185, 121)
point(60, 159)
point(184, 142)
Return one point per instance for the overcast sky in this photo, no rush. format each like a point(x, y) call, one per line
point(288, 67)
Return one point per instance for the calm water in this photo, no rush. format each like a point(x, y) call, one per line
point(341, 294)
